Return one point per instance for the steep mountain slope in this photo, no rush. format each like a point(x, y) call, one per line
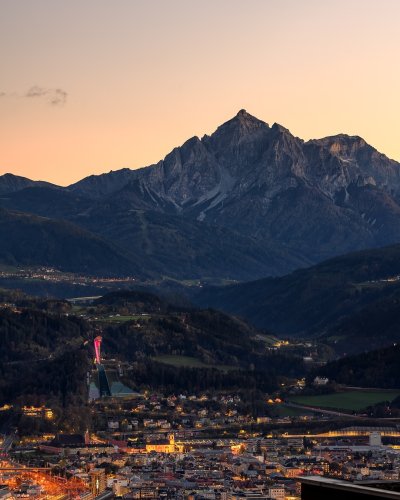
point(31, 334)
point(28, 240)
point(372, 326)
point(163, 244)
point(322, 198)
point(178, 247)
point(98, 186)
point(324, 299)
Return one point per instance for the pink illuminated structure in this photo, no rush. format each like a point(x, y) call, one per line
point(97, 347)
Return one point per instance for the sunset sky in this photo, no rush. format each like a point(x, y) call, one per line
point(92, 85)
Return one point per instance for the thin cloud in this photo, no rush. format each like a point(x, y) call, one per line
point(54, 97)
point(59, 97)
point(36, 91)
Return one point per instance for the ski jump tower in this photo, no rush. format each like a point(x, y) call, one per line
point(104, 386)
point(97, 349)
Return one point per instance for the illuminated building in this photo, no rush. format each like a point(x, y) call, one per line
point(38, 412)
point(163, 445)
point(276, 492)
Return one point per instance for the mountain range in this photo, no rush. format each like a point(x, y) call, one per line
point(248, 201)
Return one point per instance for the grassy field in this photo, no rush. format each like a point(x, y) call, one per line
point(75, 309)
point(170, 359)
point(350, 400)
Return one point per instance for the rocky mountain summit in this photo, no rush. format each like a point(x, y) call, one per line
point(300, 202)
point(10, 183)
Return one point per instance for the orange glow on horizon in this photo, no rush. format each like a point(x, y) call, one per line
point(142, 77)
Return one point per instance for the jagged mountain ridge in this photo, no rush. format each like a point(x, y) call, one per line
point(322, 197)
point(245, 151)
point(307, 200)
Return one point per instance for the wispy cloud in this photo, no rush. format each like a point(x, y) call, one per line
point(54, 97)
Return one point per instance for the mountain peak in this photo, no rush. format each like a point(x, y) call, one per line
point(242, 125)
point(243, 112)
point(10, 183)
point(244, 117)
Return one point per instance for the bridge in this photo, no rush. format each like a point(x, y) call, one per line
point(6, 443)
point(350, 432)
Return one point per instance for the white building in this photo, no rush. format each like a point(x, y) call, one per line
point(375, 439)
point(321, 380)
point(276, 492)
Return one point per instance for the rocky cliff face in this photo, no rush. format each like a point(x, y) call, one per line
point(310, 199)
point(321, 197)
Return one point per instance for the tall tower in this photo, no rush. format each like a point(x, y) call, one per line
point(97, 349)
point(104, 385)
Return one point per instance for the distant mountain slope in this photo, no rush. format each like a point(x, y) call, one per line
point(98, 186)
point(371, 326)
point(178, 247)
point(324, 299)
point(321, 198)
point(46, 202)
point(28, 240)
point(163, 244)
point(378, 368)
point(248, 201)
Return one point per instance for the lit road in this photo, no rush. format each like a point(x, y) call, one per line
point(51, 487)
